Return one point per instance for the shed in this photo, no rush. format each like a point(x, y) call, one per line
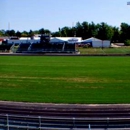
point(95, 42)
point(103, 43)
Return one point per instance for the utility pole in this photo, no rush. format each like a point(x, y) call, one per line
point(73, 29)
point(9, 26)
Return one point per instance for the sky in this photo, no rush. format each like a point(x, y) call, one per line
point(28, 15)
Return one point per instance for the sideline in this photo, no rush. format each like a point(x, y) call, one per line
point(58, 54)
point(65, 106)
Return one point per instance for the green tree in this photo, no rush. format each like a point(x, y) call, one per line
point(2, 32)
point(64, 31)
point(85, 30)
point(18, 34)
point(105, 32)
point(31, 33)
point(79, 29)
point(127, 42)
point(125, 32)
point(47, 31)
point(24, 34)
point(10, 33)
point(93, 30)
point(116, 35)
point(55, 34)
point(41, 31)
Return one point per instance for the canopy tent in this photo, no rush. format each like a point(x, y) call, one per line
point(89, 40)
point(56, 40)
point(95, 42)
point(70, 40)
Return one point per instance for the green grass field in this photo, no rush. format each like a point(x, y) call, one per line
point(120, 50)
point(62, 79)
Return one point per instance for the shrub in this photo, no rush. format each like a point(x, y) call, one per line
point(127, 42)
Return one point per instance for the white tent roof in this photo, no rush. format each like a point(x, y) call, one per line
point(91, 39)
point(24, 38)
point(66, 39)
point(53, 40)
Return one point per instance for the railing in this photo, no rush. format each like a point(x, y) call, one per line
point(13, 122)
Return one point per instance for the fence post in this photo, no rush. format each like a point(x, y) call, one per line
point(89, 127)
point(7, 121)
point(39, 122)
point(107, 122)
point(73, 122)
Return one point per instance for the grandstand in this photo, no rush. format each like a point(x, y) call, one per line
point(23, 47)
point(45, 46)
point(69, 47)
point(35, 47)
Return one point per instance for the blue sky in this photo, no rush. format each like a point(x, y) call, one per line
point(52, 14)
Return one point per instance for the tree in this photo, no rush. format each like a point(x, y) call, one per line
point(31, 33)
point(125, 32)
point(79, 29)
point(127, 42)
point(116, 35)
point(68, 32)
point(85, 30)
point(41, 31)
point(2, 32)
point(18, 34)
point(105, 32)
point(55, 34)
point(64, 31)
point(47, 31)
point(93, 30)
point(10, 33)
point(24, 34)
point(36, 32)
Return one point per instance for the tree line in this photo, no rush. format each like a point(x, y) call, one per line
point(85, 30)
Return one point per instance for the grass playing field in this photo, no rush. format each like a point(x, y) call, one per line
point(119, 50)
point(62, 79)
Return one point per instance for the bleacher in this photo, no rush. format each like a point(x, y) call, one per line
point(69, 47)
point(45, 46)
point(5, 47)
point(53, 47)
point(23, 47)
point(36, 47)
point(58, 46)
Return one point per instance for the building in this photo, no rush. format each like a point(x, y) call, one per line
point(65, 39)
point(45, 44)
point(95, 42)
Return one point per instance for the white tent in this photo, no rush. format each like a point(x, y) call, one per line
point(65, 39)
point(56, 40)
point(74, 40)
point(90, 40)
point(95, 42)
